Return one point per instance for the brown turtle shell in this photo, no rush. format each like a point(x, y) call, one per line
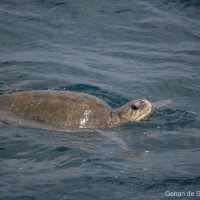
point(59, 109)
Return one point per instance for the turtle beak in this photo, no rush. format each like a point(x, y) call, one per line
point(144, 111)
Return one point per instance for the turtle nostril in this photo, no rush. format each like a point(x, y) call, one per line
point(143, 101)
point(134, 107)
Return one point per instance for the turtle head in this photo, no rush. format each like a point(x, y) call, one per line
point(136, 110)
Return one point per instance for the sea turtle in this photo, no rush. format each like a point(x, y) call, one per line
point(64, 111)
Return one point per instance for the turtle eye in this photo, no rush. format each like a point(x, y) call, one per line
point(134, 107)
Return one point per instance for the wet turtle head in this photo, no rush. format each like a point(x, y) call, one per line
point(136, 110)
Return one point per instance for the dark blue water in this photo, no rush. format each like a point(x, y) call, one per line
point(119, 51)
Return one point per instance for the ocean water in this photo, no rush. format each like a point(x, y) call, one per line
point(117, 50)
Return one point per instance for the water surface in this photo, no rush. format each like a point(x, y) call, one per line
point(118, 51)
